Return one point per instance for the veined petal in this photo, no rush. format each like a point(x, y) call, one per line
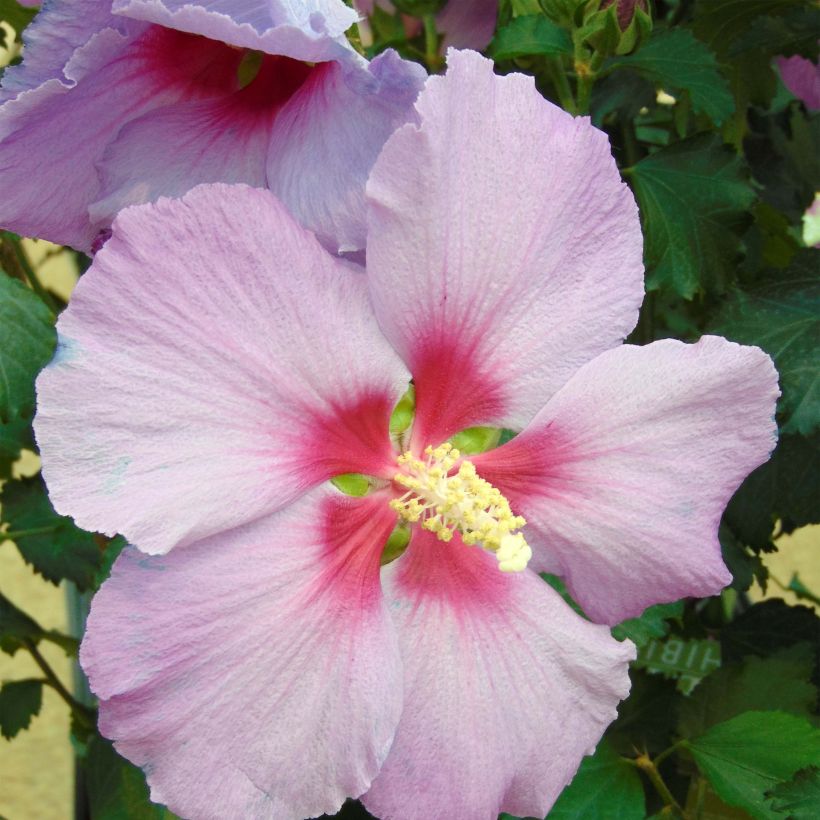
point(255, 674)
point(328, 136)
point(506, 688)
point(214, 363)
point(112, 79)
point(220, 139)
point(497, 270)
point(624, 475)
point(52, 38)
point(310, 30)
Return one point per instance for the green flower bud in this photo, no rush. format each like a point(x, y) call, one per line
point(615, 26)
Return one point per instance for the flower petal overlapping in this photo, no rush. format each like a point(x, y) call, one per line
point(151, 98)
point(200, 406)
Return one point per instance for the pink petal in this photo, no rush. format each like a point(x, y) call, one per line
point(328, 136)
point(802, 78)
point(255, 674)
point(310, 30)
point(468, 23)
point(52, 37)
point(214, 363)
point(503, 249)
point(624, 475)
point(114, 78)
point(505, 688)
point(220, 139)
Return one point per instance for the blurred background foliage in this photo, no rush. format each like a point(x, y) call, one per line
point(722, 721)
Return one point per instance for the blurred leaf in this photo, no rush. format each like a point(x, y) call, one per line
point(782, 316)
point(780, 682)
point(531, 35)
point(768, 627)
point(675, 60)
point(605, 787)
point(694, 201)
point(27, 340)
point(647, 717)
point(801, 590)
point(623, 92)
point(116, 788)
point(785, 487)
point(653, 623)
point(748, 755)
point(53, 545)
point(17, 16)
point(794, 32)
point(685, 659)
point(744, 564)
point(20, 701)
point(800, 797)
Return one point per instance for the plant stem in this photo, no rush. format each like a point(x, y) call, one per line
point(562, 88)
point(82, 713)
point(31, 274)
point(648, 767)
point(15, 534)
point(431, 55)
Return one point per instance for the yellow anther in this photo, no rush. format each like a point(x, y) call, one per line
point(462, 502)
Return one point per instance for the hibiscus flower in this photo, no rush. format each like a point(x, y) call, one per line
point(216, 367)
point(117, 106)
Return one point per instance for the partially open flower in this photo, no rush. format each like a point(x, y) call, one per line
point(216, 367)
point(162, 95)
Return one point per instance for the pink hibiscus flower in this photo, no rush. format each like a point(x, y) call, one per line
point(216, 367)
point(112, 109)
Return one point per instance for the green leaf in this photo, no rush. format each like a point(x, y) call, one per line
point(782, 316)
point(116, 789)
point(802, 591)
point(51, 543)
point(785, 487)
point(800, 797)
point(16, 628)
point(675, 59)
point(780, 682)
point(476, 439)
point(27, 340)
point(20, 701)
point(694, 200)
point(685, 659)
point(653, 623)
point(748, 755)
point(530, 35)
point(605, 787)
point(768, 627)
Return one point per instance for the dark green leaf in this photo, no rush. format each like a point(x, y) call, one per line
point(782, 316)
point(116, 789)
point(16, 627)
point(647, 718)
point(750, 754)
point(745, 564)
point(800, 797)
point(653, 623)
point(27, 340)
point(530, 35)
point(675, 60)
point(766, 628)
point(786, 487)
point(605, 787)
point(793, 33)
point(694, 200)
point(625, 92)
point(780, 682)
point(51, 543)
point(20, 701)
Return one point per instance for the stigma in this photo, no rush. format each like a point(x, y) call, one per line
point(462, 502)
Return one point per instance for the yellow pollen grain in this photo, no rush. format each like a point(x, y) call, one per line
point(462, 502)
